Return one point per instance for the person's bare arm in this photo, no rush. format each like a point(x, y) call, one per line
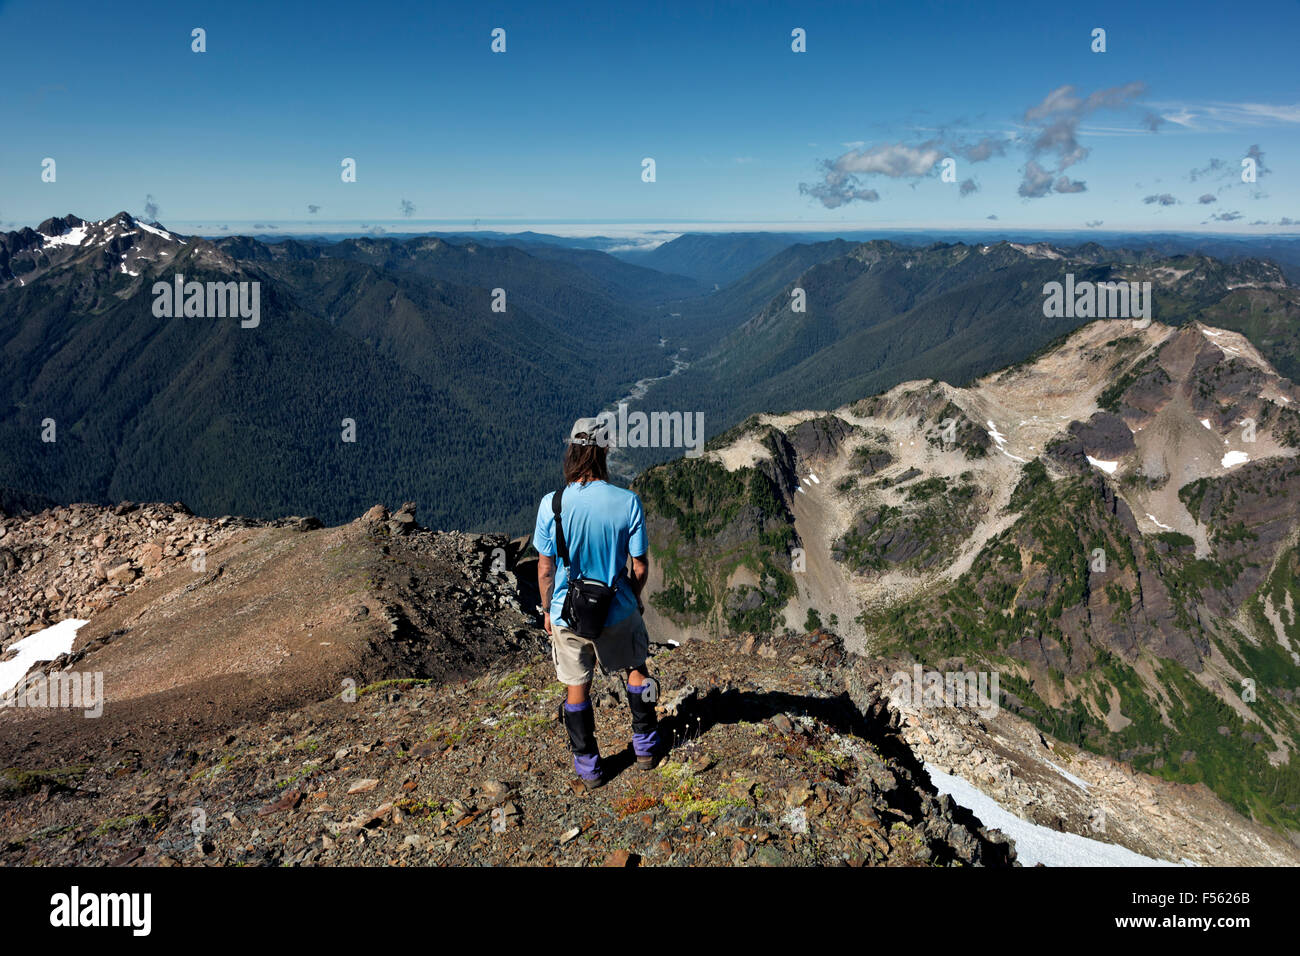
point(639, 574)
point(546, 585)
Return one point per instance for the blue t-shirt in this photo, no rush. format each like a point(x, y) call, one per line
point(603, 524)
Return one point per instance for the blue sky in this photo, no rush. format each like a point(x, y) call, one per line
point(555, 129)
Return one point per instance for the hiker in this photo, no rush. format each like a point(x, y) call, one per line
point(592, 604)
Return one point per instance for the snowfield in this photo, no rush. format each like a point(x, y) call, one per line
point(73, 237)
point(36, 648)
point(1037, 844)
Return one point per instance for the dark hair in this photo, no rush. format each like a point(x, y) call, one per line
point(584, 461)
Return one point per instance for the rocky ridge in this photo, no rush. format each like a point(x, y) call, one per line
point(73, 561)
point(772, 764)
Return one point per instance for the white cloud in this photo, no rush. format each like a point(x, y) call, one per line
point(896, 160)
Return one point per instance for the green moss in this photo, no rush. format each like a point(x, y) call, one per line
point(15, 782)
point(117, 823)
point(395, 682)
point(521, 725)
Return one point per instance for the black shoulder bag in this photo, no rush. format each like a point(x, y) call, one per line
point(587, 601)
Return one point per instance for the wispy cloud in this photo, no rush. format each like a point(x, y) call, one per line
point(1230, 169)
point(1216, 117)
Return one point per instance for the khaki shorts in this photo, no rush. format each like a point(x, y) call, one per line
point(620, 646)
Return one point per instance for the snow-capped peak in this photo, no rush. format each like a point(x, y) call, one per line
point(73, 237)
point(72, 231)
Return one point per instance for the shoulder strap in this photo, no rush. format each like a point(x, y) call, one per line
point(561, 546)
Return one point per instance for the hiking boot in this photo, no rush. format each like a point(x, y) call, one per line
point(591, 783)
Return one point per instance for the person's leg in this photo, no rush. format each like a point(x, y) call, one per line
point(633, 645)
point(575, 659)
point(580, 722)
point(645, 723)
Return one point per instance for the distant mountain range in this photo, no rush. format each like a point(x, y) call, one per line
point(454, 404)
point(877, 313)
point(464, 408)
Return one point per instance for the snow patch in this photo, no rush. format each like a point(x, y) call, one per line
point(1077, 781)
point(1000, 440)
point(1037, 250)
point(1159, 523)
point(1107, 466)
point(1037, 844)
point(36, 648)
point(1234, 458)
point(1205, 422)
point(73, 237)
point(158, 232)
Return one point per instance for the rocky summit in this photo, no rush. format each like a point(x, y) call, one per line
point(377, 693)
point(772, 765)
point(282, 693)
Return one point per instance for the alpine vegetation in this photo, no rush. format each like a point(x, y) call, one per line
point(212, 300)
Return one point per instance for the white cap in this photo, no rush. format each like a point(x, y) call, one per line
point(591, 431)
